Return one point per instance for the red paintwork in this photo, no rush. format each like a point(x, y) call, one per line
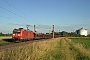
point(23, 34)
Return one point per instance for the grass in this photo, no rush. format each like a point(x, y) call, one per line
point(67, 50)
point(4, 37)
point(84, 41)
point(52, 55)
point(51, 49)
point(32, 51)
point(80, 52)
point(2, 40)
point(61, 52)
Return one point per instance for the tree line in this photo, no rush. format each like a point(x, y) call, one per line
point(2, 34)
point(70, 34)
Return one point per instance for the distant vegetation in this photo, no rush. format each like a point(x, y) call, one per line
point(2, 34)
point(69, 34)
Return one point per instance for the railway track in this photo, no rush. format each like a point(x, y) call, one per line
point(13, 45)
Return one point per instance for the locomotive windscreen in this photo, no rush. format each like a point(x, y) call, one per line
point(16, 30)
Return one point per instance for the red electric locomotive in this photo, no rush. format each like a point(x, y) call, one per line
point(22, 34)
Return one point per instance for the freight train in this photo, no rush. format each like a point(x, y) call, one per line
point(21, 34)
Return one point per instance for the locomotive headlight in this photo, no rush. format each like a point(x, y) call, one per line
point(18, 34)
point(13, 34)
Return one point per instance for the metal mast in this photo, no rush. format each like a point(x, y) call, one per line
point(34, 28)
point(53, 30)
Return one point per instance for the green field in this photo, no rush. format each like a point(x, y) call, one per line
point(4, 40)
point(84, 41)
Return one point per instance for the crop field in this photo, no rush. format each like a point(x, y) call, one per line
point(3, 40)
point(51, 49)
point(84, 41)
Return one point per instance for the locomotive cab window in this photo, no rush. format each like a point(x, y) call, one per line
point(16, 31)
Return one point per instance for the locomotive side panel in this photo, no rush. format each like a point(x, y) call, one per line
point(27, 35)
point(30, 35)
point(23, 34)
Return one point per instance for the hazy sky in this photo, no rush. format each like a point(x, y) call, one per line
point(67, 15)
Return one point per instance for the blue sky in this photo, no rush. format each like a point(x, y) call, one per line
point(67, 15)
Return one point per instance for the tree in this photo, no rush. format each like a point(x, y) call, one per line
point(1, 34)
